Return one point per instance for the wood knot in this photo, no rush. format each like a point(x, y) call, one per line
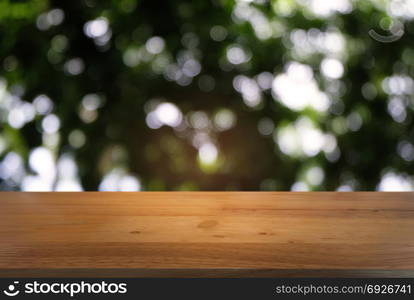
point(135, 232)
point(207, 224)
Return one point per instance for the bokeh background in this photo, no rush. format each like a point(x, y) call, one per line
point(206, 95)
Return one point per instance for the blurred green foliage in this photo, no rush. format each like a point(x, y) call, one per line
point(205, 95)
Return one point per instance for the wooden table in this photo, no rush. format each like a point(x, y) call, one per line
point(206, 234)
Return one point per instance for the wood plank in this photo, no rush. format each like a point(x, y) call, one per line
point(207, 234)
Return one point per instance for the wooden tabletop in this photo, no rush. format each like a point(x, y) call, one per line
point(206, 234)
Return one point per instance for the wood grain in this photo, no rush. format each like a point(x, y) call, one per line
point(207, 234)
